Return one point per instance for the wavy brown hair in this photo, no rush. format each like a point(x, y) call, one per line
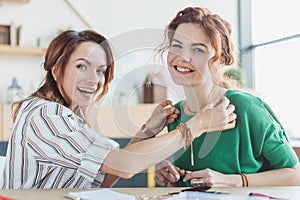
point(217, 29)
point(58, 54)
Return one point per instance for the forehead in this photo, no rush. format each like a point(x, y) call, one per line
point(193, 33)
point(90, 51)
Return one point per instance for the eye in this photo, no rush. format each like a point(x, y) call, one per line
point(82, 67)
point(101, 71)
point(176, 46)
point(198, 50)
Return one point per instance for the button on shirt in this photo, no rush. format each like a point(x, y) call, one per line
point(51, 147)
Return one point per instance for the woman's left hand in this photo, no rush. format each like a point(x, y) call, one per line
point(164, 114)
point(209, 177)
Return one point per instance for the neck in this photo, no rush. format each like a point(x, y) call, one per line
point(197, 97)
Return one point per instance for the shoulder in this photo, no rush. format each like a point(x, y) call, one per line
point(252, 106)
point(243, 99)
point(44, 107)
point(241, 95)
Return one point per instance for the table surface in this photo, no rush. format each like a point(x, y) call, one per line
point(291, 193)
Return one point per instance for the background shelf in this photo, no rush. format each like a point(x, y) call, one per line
point(8, 49)
point(17, 1)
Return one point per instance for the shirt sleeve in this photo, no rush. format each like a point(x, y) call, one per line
point(61, 138)
point(270, 135)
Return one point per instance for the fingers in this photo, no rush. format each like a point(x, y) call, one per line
point(230, 108)
point(197, 182)
point(180, 171)
point(224, 103)
point(162, 115)
point(172, 115)
point(172, 118)
point(166, 103)
point(171, 112)
point(229, 125)
point(231, 116)
point(188, 176)
point(160, 179)
point(201, 174)
point(170, 171)
point(167, 173)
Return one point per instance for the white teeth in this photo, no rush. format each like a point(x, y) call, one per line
point(86, 90)
point(181, 69)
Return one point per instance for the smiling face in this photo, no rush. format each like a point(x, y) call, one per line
point(84, 74)
point(189, 54)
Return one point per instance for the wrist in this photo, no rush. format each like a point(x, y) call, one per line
point(236, 180)
point(147, 132)
point(245, 180)
point(196, 128)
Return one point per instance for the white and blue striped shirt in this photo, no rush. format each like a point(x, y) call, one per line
point(51, 147)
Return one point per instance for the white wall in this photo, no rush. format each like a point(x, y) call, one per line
point(134, 27)
point(39, 19)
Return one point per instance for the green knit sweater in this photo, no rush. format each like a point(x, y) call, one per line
point(257, 143)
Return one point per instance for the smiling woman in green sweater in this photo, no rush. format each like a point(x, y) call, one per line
point(257, 151)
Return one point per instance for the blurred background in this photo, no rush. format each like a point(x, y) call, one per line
point(265, 33)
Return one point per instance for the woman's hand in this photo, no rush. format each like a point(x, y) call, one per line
point(162, 115)
point(167, 174)
point(211, 118)
point(209, 177)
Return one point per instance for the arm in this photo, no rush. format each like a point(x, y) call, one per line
point(141, 155)
point(276, 177)
point(163, 114)
point(138, 156)
point(283, 176)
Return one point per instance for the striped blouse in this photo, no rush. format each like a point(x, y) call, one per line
point(51, 147)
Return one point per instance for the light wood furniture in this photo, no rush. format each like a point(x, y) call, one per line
point(5, 122)
point(115, 122)
point(17, 50)
point(16, 1)
point(291, 193)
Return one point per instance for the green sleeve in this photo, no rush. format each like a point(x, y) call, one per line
point(269, 135)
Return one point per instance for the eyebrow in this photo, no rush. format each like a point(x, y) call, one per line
point(89, 63)
point(193, 44)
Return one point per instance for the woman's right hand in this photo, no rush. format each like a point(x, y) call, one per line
point(167, 174)
point(211, 118)
point(163, 114)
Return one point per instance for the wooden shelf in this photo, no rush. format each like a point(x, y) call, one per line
point(8, 49)
point(16, 1)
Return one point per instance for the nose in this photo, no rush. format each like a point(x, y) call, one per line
point(185, 55)
point(92, 77)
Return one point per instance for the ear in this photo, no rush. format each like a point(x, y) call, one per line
point(54, 73)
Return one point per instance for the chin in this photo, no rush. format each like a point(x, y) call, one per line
point(84, 103)
point(181, 82)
